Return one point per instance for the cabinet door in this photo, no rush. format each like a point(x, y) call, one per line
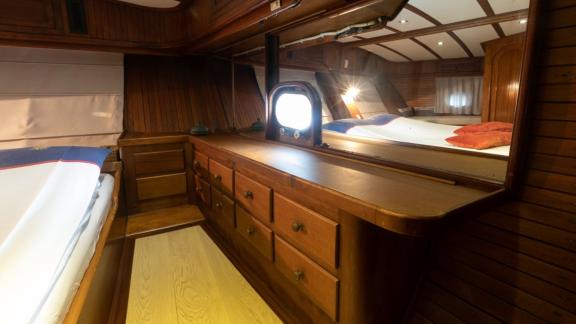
point(502, 69)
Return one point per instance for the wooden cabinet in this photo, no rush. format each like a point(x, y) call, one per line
point(309, 277)
point(259, 236)
point(311, 232)
point(253, 196)
point(156, 175)
point(311, 260)
point(502, 69)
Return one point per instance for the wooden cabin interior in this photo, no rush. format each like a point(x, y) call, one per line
point(288, 161)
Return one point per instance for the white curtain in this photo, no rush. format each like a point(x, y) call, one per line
point(52, 97)
point(459, 95)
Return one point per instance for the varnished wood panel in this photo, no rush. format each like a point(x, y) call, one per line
point(259, 236)
point(182, 276)
point(222, 177)
point(158, 221)
point(320, 285)
point(517, 261)
point(312, 233)
point(162, 161)
point(253, 196)
point(168, 94)
point(161, 186)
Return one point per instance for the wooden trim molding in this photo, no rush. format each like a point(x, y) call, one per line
point(490, 13)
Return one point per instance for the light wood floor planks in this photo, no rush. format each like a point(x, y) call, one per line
point(182, 277)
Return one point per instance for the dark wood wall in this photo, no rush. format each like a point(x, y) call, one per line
point(110, 25)
point(173, 94)
point(516, 263)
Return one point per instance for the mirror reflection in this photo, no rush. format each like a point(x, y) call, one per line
point(435, 88)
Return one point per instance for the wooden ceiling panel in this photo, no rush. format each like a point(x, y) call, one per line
point(385, 53)
point(475, 36)
point(449, 11)
point(513, 27)
point(449, 48)
point(411, 49)
point(154, 3)
point(413, 21)
point(500, 6)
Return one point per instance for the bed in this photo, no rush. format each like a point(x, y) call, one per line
point(57, 208)
point(415, 142)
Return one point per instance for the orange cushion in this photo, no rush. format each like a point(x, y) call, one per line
point(481, 141)
point(485, 127)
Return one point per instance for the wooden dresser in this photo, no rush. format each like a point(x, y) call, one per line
point(323, 239)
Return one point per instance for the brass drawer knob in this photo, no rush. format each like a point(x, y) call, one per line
point(250, 231)
point(297, 227)
point(298, 275)
point(218, 205)
point(218, 177)
point(196, 164)
point(248, 194)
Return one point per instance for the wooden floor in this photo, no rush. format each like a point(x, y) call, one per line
point(182, 277)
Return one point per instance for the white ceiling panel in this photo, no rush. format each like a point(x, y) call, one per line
point(513, 27)
point(475, 36)
point(154, 3)
point(448, 11)
point(376, 33)
point(411, 49)
point(449, 48)
point(385, 53)
point(413, 21)
point(501, 6)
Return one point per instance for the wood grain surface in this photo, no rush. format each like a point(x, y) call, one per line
point(182, 277)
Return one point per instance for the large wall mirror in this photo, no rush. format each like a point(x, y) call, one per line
point(435, 88)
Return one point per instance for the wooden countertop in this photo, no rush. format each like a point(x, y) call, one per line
point(393, 199)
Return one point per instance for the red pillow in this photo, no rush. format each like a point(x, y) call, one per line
point(481, 141)
point(485, 127)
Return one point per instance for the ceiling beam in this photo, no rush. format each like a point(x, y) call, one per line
point(508, 16)
point(438, 23)
point(390, 49)
point(490, 13)
point(415, 41)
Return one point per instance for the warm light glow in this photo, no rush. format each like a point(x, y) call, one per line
point(403, 21)
point(440, 43)
point(350, 95)
point(523, 21)
point(294, 111)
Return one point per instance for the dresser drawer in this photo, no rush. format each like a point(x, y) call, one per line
point(222, 208)
point(311, 232)
point(317, 283)
point(222, 177)
point(201, 165)
point(158, 162)
point(161, 186)
point(202, 188)
point(254, 197)
point(254, 232)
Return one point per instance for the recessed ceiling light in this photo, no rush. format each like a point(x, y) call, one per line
point(403, 21)
point(523, 21)
point(440, 43)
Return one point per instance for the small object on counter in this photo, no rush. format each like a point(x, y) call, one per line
point(199, 129)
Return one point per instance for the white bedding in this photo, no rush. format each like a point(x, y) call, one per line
point(418, 132)
point(44, 211)
point(60, 298)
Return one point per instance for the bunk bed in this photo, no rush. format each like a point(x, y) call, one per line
point(58, 206)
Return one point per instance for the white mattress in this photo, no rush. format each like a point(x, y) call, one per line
point(418, 132)
point(64, 289)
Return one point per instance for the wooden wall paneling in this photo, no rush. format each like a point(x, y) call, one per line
point(516, 262)
point(249, 103)
point(31, 16)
